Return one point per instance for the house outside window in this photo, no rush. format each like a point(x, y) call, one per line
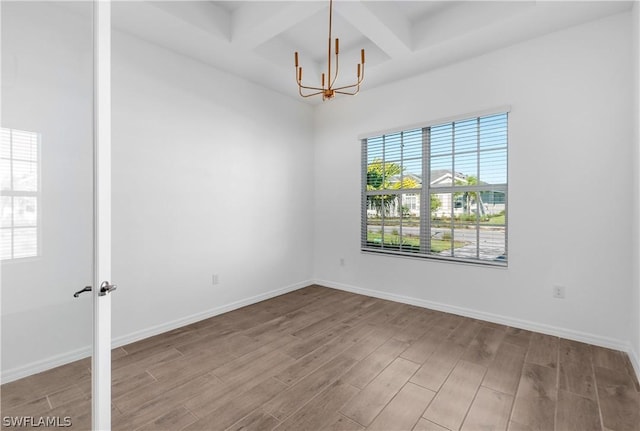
point(438, 191)
point(19, 194)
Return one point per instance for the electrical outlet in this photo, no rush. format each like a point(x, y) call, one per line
point(559, 292)
point(214, 279)
point(342, 261)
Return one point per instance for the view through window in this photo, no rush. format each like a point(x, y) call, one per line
point(438, 191)
point(19, 193)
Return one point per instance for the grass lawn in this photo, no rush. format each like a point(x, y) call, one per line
point(437, 245)
point(415, 221)
point(495, 220)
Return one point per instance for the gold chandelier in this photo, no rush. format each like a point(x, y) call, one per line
point(329, 91)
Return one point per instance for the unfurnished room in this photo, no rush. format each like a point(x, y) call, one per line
point(320, 215)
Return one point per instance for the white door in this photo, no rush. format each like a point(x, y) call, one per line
point(101, 364)
point(55, 214)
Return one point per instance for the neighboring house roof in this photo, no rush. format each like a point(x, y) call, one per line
point(438, 176)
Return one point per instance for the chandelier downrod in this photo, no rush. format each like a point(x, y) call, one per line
point(328, 91)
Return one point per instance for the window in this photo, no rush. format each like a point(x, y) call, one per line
point(19, 193)
point(438, 191)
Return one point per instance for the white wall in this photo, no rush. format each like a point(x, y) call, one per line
point(635, 339)
point(211, 175)
point(570, 147)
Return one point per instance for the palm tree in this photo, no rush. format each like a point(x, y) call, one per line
point(379, 175)
point(469, 197)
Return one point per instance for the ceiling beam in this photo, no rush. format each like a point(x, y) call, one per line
point(258, 22)
point(382, 23)
point(205, 15)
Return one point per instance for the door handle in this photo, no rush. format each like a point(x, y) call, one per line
point(86, 289)
point(106, 287)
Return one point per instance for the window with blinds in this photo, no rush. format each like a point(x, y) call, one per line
point(438, 191)
point(19, 194)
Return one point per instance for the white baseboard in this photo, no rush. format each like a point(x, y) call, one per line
point(65, 358)
point(570, 334)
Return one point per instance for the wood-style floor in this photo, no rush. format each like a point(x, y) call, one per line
point(323, 359)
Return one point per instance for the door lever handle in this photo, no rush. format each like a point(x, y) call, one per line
point(86, 289)
point(106, 287)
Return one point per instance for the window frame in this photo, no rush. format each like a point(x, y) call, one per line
point(13, 193)
point(427, 190)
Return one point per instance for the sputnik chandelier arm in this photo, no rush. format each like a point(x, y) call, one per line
point(328, 91)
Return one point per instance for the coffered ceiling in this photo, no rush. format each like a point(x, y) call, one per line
point(256, 40)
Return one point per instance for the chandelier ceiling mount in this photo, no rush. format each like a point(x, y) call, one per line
point(328, 91)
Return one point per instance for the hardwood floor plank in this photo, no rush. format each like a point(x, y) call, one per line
point(317, 413)
point(574, 352)
point(543, 350)
point(452, 402)
point(34, 407)
point(484, 346)
point(406, 317)
point(340, 423)
point(425, 425)
point(369, 343)
point(215, 396)
point(311, 362)
point(230, 368)
point(258, 420)
point(271, 363)
point(515, 426)
point(631, 372)
point(464, 333)
point(176, 419)
point(358, 337)
point(368, 368)
point(413, 324)
point(576, 413)
point(306, 346)
point(423, 348)
point(122, 387)
point(577, 378)
point(290, 400)
point(386, 313)
point(518, 337)
point(490, 411)
point(235, 343)
point(535, 402)
point(194, 364)
point(365, 406)
point(504, 372)
point(619, 401)
point(155, 343)
point(127, 371)
point(67, 395)
point(447, 320)
point(608, 358)
point(436, 369)
point(140, 360)
point(238, 407)
point(320, 325)
point(404, 410)
point(79, 413)
point(158, 401)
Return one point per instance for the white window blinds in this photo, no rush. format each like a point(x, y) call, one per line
point(19, 194)
point(438, 191)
